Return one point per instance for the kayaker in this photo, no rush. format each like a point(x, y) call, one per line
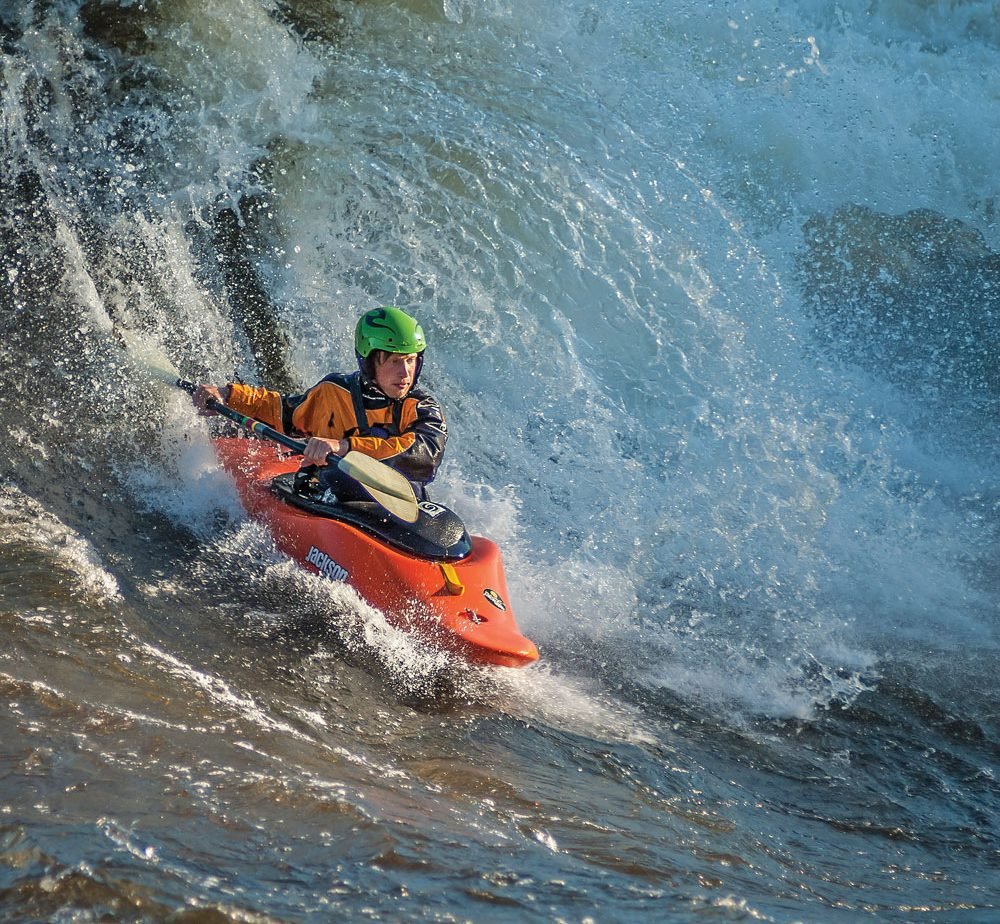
point(378, 410)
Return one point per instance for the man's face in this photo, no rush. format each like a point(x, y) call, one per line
point(394, 373)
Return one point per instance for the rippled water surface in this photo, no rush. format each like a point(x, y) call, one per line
point(711, 293)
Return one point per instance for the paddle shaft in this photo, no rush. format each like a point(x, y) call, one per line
point(254, 426)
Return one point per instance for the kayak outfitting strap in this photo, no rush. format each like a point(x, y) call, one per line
point(452, 583)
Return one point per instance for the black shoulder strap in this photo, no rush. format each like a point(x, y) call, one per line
point(360, 415)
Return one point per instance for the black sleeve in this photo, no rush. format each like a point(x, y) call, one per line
point(420, 462)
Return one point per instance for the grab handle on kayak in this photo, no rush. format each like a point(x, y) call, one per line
point(453, 584)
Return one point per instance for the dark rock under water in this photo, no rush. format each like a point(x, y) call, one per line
point(912, 297)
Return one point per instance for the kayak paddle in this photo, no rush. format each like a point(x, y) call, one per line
point(386, 486)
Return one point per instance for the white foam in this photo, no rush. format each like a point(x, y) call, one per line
point(190, 487)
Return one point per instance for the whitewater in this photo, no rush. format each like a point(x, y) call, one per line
point(712, 297)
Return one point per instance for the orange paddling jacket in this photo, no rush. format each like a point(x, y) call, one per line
point(407, 433)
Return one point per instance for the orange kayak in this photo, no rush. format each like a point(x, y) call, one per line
point(430, 577)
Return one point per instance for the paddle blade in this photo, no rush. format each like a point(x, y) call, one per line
point(148, 357)
point(386, 486)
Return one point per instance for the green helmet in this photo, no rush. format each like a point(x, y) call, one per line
point(387, 328)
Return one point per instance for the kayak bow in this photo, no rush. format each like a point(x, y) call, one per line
point(430, 577)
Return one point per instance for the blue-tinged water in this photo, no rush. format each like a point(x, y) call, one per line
point(713, 298)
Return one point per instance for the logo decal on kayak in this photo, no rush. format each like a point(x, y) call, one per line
point(431, 509)
point(495, 599)
point(326, 565)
